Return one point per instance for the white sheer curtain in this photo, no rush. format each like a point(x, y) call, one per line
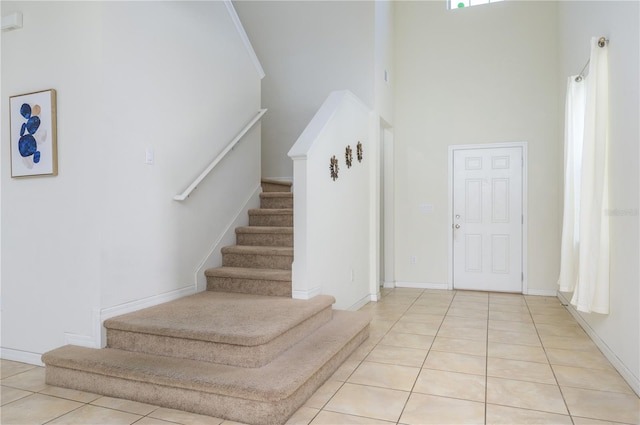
point(584, 267)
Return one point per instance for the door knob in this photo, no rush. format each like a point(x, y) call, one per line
point(457, 226)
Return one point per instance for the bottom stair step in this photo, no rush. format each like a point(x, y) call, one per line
point(266, 395)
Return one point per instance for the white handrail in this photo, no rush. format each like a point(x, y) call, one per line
point(193, 186)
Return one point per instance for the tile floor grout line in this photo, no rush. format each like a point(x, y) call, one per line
point(544, 349)
point(423, 361)
point(65, 413)
point(486, 362)
point(425, 357)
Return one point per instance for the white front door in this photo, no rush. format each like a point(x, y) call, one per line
point(487, 219)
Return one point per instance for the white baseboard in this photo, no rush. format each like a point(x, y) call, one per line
point(107, 313)
point(421, 285)
point(543, 292)
point(306, 295)
point(136, 305)
point(360, 303)
point(632, 380)
point(21, 356)
point(390, 285)
point(375, 297)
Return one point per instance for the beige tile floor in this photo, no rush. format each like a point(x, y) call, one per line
point(434, 357)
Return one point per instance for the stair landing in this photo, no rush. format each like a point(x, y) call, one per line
point(269, 394)
point(233, 329)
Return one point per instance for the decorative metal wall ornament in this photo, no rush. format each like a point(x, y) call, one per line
point(359, 151)
point(333, 167)
point(348, 156)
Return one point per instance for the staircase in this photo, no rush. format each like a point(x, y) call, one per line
point(243, 350)
point(260, 263)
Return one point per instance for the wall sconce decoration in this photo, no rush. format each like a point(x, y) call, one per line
point(333, 167)
point(359, 151)
point(348, 156)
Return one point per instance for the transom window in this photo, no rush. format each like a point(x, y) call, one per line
point(460, 4)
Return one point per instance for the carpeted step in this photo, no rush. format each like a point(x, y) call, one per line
point(276, 200)
point(264, 236)
point(281, 217)
point(259, 257)
point(233, 329)
point(270, 185)
point(245, 280)
point(265, 395)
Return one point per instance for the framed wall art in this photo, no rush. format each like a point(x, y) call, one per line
point(33, 134)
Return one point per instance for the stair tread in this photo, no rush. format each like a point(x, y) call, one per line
point(249, 273)
point(230, 318)
point(276, 194)
point(277, 182)
point(261, 250)
point(270, 211)
point(275, 381)
point(265, 229)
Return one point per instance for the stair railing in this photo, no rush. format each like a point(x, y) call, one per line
point(193, 186)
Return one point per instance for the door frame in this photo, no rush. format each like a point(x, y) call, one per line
point(525, 209)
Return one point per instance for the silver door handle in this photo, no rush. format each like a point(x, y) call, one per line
point(457, 226)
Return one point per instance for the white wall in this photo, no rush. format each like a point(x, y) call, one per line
point(384, 71)
point(172, 76)
point(308, 49)
point(619, 332)
point(334, 230)
point(50, 242)
point(484, 74)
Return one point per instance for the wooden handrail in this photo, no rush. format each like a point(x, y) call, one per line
point(193, 186)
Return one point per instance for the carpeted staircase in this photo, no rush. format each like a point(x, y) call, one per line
point(243, 350)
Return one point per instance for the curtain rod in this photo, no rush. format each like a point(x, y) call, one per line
point(601, 43)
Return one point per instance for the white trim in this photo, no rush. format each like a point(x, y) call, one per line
point(107, 313)
point(80, 340)
point(136, 305)
point(375, 297)
point(389, 284)
point(244, 37)
point(213, 258)
point(542, 292)
point(360, 303)
point(422, 285)
point(525, 208)
point(632, 380)
point(92, 341)
point(388, 191)
point(21, 356)
point(306, 295)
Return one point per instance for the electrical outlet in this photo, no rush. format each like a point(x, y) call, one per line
point(414, 259)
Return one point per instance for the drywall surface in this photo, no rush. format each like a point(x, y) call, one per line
point(51, 245)
point(308, 49)
point(484, 74)
point(169, 78)
point(619, 21)
point(334, 232)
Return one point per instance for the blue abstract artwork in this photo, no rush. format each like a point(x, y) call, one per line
point(33, 134)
